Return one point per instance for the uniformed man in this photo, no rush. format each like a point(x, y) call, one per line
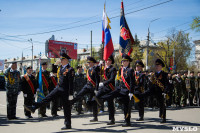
point(178, 85)
point(184, 89)
point(12, 90)
point(159, 88)
point(125, 89)
point(45, 87)
point(171, 90)
point(53, 84)
point(91, 86)
point(107, 86)
point(192, 88)
point(198, 91)
point(29, 87)
point(139, 88)
point(64, 89)
point(79, 81)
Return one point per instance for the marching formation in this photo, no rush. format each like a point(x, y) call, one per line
point(124, 88)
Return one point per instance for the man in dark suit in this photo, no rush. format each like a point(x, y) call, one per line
point(29, 86)
point(159, 87)
point(125, 89)
point(64, 89)
point(107, 86)
point(91, 86)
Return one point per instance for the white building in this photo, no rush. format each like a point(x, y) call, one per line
point(197, 53)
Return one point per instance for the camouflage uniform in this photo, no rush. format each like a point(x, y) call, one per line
point(184, 91)
point(42, 109)
point(79, 81)
point(178, 85)
point(12, 90)
point(192, 90)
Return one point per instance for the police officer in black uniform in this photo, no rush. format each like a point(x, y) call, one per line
point(107, 86)
point(64, 89)
point(125, 88)
point(91, 86)
point(139, 88)
point(29, 86)
point(159, 88)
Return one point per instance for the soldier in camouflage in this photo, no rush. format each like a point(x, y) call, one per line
point(79, 81)
point(12, 90)
point(184, 90)
point(178, 83)
point(192, 88)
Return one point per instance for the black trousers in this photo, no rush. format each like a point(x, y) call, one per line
point(140, 105)
point(58, 92)
point(11, 104)
point(103, 91)
point(87, 89)
point(28, 101)
point(122, 94)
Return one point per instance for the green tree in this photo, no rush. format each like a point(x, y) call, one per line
point(179, 42)
point(196, 24)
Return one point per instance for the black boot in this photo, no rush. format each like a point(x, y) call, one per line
point(127, 124)
point(66, 127)
point(163, 121)
point(30, 108)
point(112, 122)
point(140, 119)
point(94, 120)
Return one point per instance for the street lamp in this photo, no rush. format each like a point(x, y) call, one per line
point(22, 57)
point(148, 42)
point(30, 40)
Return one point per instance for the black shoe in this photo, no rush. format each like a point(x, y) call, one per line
point(15, 118)
point(126, 125)
point(66, 127)
point(94, 120)
point(55, 115)
point(112, 122)
point(140, 119)
point(163, 121)
point(44, 115)
point(9, 118)
point(30, 108)
point(29, 117)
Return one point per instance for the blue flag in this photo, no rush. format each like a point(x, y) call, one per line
point(40, 92)
point(126, 39)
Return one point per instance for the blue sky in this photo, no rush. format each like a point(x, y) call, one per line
point(22, 17)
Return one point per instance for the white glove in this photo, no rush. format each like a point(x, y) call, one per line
point(164, 94)
point(95, 92)
point(25, 95)
point(70, 97)
point(130, 95)
point(19, 92)
point(100, 84)
point(100, 62)
point(35, 95)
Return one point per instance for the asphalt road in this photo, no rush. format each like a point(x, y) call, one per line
point(177, 120)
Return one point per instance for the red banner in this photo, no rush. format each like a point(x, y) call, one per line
point(171, 61)
point(55, 48)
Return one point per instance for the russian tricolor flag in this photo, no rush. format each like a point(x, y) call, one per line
point(106, 36)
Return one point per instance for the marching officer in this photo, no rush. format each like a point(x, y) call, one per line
point(107, 86)
point(91, 86)
point(79, 81)
point(45, 87)
point(159, 88)
point(139, 88)
point(125, 89)
point(53, 84)
point(64, 89)
point(12, 90)
point(29, 87)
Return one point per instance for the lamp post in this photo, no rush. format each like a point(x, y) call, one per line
point(22, 57)
point(148, 36)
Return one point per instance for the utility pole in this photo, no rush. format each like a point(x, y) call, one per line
point(174, 58)
point(91, 43)
point(147, 50)
point(30, 40)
